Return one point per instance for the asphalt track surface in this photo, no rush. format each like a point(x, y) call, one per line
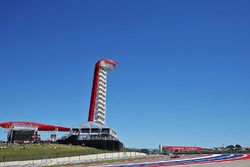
point(217, 160)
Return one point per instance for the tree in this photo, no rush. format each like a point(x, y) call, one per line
point(230, 147)
point(146, 151)
point(238, 147)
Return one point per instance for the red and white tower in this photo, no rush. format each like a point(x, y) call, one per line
point(97, 109)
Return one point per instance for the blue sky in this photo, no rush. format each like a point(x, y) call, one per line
point(183, 77)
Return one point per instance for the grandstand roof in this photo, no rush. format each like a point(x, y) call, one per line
point(39, 126)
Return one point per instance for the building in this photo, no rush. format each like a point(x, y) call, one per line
point(93, 134)
point(179, 149)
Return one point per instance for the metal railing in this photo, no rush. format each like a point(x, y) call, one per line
point(68, 158)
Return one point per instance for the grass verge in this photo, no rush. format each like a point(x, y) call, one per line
point(41, 151)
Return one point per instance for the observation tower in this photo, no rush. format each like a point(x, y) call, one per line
point(97, 108)
point(95, 133)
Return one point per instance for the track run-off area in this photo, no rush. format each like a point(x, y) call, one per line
point(209, 159)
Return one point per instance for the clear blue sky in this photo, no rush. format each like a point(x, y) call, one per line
point(183, 77)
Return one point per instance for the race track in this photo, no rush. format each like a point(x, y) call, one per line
point(211, 159)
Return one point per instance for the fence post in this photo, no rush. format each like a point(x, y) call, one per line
point(32, 160)
point(4, 160)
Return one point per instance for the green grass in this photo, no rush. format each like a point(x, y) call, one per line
point(41, 151)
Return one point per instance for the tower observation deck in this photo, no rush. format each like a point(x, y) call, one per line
point(97, 109)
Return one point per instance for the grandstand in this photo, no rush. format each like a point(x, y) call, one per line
point(20, 132)
point(179, 149)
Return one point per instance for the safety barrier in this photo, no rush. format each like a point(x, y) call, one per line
point(46, 161)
